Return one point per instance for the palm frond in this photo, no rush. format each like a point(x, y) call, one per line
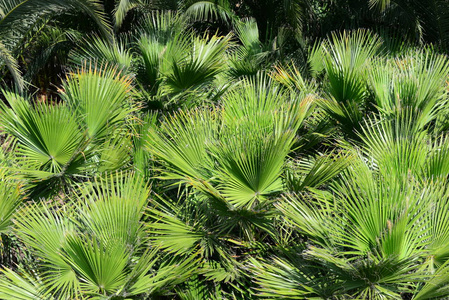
point(121, 10)
point(345, 59)
point(280, 278)
point(100, 97)
point(162, 25)
point(209, 11)
point(198, 67)
point(157, 55)
point(45, 230)
point(7, 58)
point(102, 268)
point(10, 199)
point(314, 172)
point(436, 287)
point(21, 287)
point(49, 138)
point(111, 208)
point(22, 14)
point(251, 56)
point(397, 146)
point(102, 52)
point(411, 84)
point(183, 142)
point(260, 127)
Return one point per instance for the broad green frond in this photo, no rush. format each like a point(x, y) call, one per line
point(21, 287)
point(209, 10)
point(397, 146)
point(183, 141)
point(111, 208)
point(49, 137)
point(345, 59)
point(45, 230)
point(315, 172)
point(101, 268)
point(437, 286)
point(163, 24)
point(198, 67)
point(96, 50)
point(414, 83)
point(100, 97)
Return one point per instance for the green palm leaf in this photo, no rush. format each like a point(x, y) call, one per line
point(157, 54)
point(209, 10)
point(279, 278)
point(250, 57)
point(345, 59)
point(121, 10)
point(183, 141)
point(198, 67)
point(19, 14)
point(100, 97)
point(436, 287)
point(49, 137)
point(21, 287)
point(7, 58)
point(251, 166)
point(260, 127)
point(10, 199)
point(102, 268)
point(111, 208)
point(315, 172)
point(413, 84)
point(101, 52)
point(45, 231)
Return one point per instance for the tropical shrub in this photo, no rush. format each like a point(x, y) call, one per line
point(223, 150)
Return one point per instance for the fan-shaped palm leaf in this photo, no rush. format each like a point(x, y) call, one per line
point(198, 67)
point(345, 59)
point(49, 139)
point(412, 84)
point(316, 171)
point(251, 56)
point(102, 52)
point(102, 268)
point(183, 141)
point(100, 97)
point(24, 287)
point(162, 25)
point(111, 208)
point(209, 10)
point(95, 249)
point(158, 54)
point(45, 230)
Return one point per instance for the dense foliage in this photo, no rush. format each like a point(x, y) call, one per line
point(224, 149)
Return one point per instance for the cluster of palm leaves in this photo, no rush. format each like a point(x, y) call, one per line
point(170, 161)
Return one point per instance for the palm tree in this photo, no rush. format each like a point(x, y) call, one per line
point(375, 235)
point(21, 19)
point(219, 150)
point(345, 60)
point(64, 142)
point(94, 246)
point(231, 162)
